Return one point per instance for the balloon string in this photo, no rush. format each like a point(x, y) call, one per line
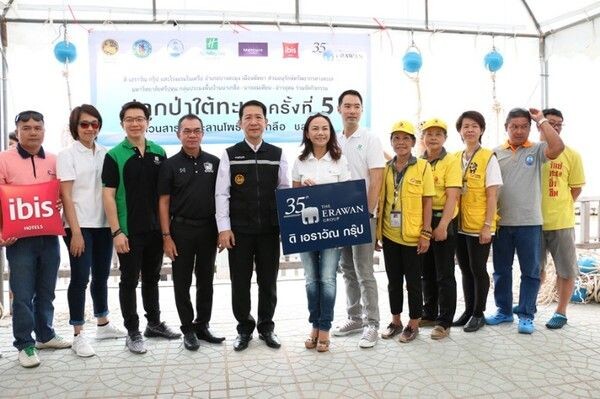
point(66, 75)
point(383, 28)
point(419, 104)
point(420, 146)
point(496, 106)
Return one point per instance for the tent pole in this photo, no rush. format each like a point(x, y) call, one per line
point(543, 73)
point(4, 40)
point(4, 120)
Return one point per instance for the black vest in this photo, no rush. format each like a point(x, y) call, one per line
point(254, 178)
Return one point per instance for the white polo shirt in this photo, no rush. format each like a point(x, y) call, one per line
point(83, 166)
point(321, 171)
point(364, 151)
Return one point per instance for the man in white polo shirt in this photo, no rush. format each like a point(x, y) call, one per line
point(366, 161)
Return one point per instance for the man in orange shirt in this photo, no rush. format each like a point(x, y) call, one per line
point(33, 261)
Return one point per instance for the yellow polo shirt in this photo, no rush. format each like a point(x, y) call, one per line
point(447, 173)
point(558, 177)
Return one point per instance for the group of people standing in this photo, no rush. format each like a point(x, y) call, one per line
point(519, 195)
point(428, 210)
point(423, 210)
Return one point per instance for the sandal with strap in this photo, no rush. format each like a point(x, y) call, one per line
point(311, 343)
point(323, 345)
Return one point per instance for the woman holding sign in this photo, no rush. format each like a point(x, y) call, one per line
point(404, 227)
point(88, 236)
point(321, 161)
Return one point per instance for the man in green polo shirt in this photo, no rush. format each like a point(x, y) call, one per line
point(130, 176)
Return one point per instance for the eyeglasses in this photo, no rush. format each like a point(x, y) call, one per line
point(86, 124)
point(139, 119)
point(27, 115)
point(189, 132)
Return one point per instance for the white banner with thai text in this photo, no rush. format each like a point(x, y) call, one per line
point(211, 74)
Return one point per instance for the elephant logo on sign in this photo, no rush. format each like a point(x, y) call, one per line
point(310, 215)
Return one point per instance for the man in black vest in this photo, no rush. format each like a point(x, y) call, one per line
point(246, 213)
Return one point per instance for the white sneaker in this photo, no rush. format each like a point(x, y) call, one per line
point(135, 343)
point(369, 337)
point(109, 331)
point(348, 327)
point(28, 357)
point(57, 342)
point(81, 346)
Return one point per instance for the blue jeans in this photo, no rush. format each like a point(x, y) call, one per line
point(526, 240)
point(33, 263)
point(320, 271)
point(96, 257)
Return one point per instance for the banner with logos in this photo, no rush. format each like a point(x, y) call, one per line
point(323, 216)
point(211, 74)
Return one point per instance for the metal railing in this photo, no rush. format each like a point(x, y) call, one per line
point(589, 229)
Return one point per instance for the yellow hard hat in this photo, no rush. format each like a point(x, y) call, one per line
point(403, 126)
point(434, 122)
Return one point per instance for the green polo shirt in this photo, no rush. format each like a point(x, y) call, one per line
point(135, 179)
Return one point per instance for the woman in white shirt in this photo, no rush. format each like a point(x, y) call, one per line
point(88, 236)
point(477, 218)
point(320, 162)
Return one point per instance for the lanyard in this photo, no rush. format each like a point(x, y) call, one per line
point(398, 177)
point(468, 163)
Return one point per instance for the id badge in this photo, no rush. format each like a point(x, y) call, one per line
point(396, 219)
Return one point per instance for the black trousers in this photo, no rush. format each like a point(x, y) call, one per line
point(439, 283)
point(145, 256)
point(402, 261)
point(262, 251)
point(196, 249)
point(472, 260)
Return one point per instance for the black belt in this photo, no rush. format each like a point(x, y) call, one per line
point(193, 222)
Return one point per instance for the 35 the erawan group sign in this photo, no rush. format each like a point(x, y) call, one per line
point(324, 216)
point(211, 74)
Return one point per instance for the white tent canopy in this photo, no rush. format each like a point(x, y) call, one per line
point(511, 17)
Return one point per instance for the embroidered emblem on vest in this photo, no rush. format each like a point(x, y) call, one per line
point(473, 167)
point(239, 179)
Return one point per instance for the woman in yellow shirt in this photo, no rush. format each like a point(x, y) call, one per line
point(439, 284)
point(477, 220)
point(404, 227)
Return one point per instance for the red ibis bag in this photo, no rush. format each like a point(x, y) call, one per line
point(30, 210)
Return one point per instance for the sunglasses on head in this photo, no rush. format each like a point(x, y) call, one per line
point(85, 125)
point(27, 115)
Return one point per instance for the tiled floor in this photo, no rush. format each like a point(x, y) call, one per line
point(494, 362)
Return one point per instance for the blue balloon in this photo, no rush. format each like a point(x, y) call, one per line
point(65, 52)
point(493, 61)
point(412, 61)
